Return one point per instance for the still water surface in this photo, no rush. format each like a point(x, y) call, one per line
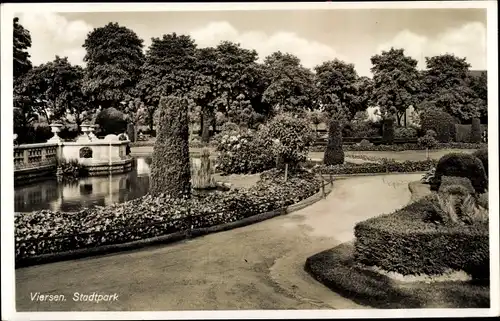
point(85, 192)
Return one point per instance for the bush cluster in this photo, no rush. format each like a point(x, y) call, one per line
point(33, 135)
point(44, 232)
point(385, 166)
point(404, 242)
point(475, 131)
point(461, 165)
point(440, 122)
point(482, 154)
point(111, 121)
point(245, 153)
point(405, 132)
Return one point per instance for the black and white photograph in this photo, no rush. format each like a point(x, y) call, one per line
point(249, 160)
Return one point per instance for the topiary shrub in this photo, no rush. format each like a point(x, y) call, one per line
point(131, 132)
point(388, 131)
point(406, 242)
point(334, 155)
point(447, 181)
point(111, 121)
point(482, 154)
point(440, 122)
point(170, 167)
point(461, 165)
point(475, 131)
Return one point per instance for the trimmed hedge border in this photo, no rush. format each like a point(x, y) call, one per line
point(403, 242)
point(170, 238)
point(337, 270)
point(403, 147)
point(384, 166)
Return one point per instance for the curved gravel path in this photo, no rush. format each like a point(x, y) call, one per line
point(254, 267)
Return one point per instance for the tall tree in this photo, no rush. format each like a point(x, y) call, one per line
point(479, 85)
point(114, 58)
point(291, 85)
point(396, 83)
point(167, 69)
point(22, 41)
point(337, 86)
point(447, 86)
point(54, 90)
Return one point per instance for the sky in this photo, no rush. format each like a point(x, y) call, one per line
point(315, 36)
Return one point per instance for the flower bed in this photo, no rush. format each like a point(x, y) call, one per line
point(385, 166)
point(403, 147)
point(46, 232)
point(406, 242)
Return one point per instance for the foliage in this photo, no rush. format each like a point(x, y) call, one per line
point(479, 84)
point(114, 81)
point(167, 70)
point(464, 182)
point(396, 82)
point(244, 152)
point(385, 166)
point(440, 122)
point(291, 86)
point(131, 132)
point(111, 121)
point(428, 177)
point(33, 135)
point(72, 169)
point(316, 117)
point(334, 154)
point(447, 87)
point(428, 140)
point(338, 90)
point(402, 147)
point(461, 165)
point(475, 133)
point(407, 242)
point(290, 137)
point(482, 154)
point(170, 168)
point(150, 216)
point(21, 43)
point(405, 132)
point(54, 90)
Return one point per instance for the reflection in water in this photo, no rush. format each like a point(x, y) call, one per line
point(86, 192)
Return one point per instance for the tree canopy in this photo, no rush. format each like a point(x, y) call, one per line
point(22, 42)
point(114, 58)
point(396, 82)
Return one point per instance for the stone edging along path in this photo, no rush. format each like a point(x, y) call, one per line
point(170, 238)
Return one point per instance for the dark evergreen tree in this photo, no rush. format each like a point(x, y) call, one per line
point(334, 155)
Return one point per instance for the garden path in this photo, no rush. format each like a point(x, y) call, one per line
point(255, 267)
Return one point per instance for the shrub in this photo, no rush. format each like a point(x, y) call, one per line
point(170, 168)
point(33, 135)
point(334, 155)
point(68, 134)
point(111, 121)
point(290, 137)
point(428, 141)
point(475, 131)
point(405, 243)
point(440, 122)
point(461, 165)
point(447, 181)
point(245, 153)
point(131, 132)
point(483, 200)
point(482, 154)
point(388, 131)
point(405, 132)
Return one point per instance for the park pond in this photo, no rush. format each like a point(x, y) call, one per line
point(73, 195)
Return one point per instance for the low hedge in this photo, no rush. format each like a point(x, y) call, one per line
point(48, 232)
point(405, 243)
point(384, 166)
point(403, 147)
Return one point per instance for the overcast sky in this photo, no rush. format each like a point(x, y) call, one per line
point(314, 36)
